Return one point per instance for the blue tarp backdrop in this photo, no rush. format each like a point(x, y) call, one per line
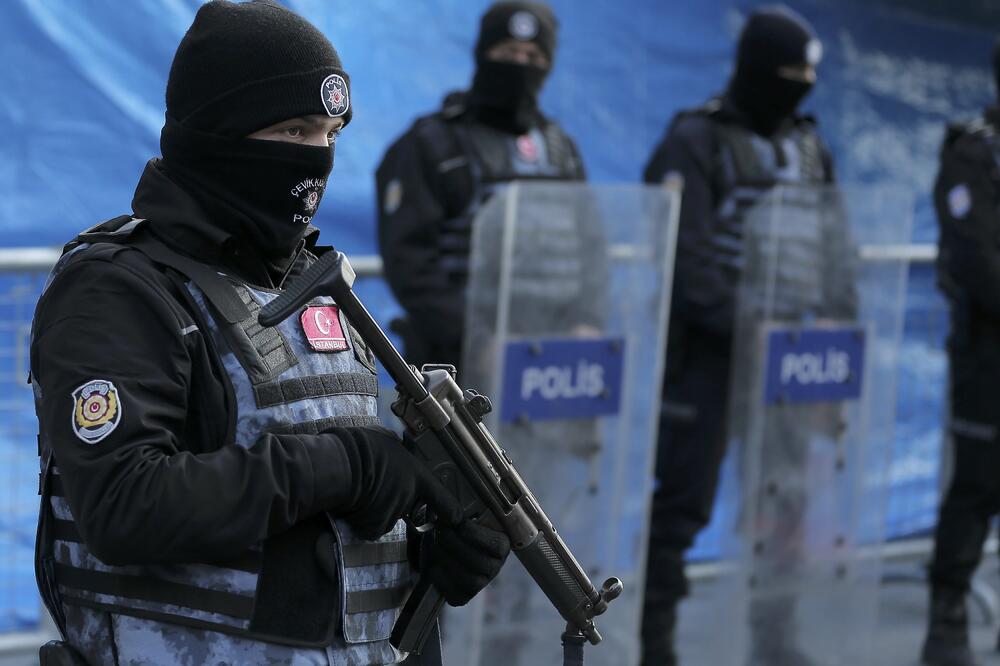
point(82, 104)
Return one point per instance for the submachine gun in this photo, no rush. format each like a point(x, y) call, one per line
point(446, 432)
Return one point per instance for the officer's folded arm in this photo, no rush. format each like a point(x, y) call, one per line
point(145, 492)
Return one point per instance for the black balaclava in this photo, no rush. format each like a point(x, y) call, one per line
point(773, 37)
point(241, 68)
point(505, 95)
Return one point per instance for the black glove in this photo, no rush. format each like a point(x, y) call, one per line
point(388, 483)
point(461, 560)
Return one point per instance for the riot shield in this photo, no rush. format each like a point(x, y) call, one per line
point(811, 411)
point(566, 330)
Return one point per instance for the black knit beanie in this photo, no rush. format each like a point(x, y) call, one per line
point(774, 36)
point(524, 21)
point(245, 66)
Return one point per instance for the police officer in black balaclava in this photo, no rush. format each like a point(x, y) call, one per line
point(435, 177)
point(213, 490)
point(968, 272)
point(730, 152)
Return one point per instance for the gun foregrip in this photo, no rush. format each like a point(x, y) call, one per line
point(573, 600)
point(418, 617)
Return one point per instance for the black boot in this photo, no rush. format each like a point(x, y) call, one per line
point(947, 641)
point(659, 622)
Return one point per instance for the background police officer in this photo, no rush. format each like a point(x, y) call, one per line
point(215, 491)
point(435, 177)
point(730, 152)
point(965, 197)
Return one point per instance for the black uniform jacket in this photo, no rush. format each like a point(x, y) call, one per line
point(966, 198)
point(967, 201)
point(166, 485)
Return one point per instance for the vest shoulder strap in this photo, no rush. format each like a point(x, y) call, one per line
point(217, 288)
point(729, 137)
point(121, 231)
point(562, 151)
point(439, 140)
point(449, 160)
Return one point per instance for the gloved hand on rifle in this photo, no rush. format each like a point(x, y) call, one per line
point(461, 560)
point(387, 482)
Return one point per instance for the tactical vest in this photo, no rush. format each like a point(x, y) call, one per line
point(472, 160)
point(280, 385)
point(750, 172)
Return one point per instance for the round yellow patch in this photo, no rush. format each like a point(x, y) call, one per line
point(96, 410)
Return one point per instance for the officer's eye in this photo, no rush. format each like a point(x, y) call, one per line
point(331, 136)
point(293, 132)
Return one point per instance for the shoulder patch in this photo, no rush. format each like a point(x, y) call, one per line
point(523, 26)
point(959, 201)
point(393, 196)
point(96, 410)
point(321, 324)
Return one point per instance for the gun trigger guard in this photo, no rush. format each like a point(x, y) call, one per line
point(420, 519)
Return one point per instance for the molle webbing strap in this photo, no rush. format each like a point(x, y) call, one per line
point(378, 552)
point(65, 530)
point(366, 601)
point(274, 356)
point(56, 486)
point(147, 588)
point(324, 424)
point(317, 386)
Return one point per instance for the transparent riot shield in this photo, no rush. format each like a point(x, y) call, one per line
point(566, 331)
point(811, 411)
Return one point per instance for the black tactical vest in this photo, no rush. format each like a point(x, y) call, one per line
point(472, 160)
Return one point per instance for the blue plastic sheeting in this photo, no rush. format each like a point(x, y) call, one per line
point(82, 105)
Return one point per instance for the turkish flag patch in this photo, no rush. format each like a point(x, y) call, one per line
point(527, 148)
point(321, 324)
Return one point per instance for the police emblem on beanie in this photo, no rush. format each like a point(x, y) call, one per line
point(814, 52)
point(336, 99)
point(523, 25)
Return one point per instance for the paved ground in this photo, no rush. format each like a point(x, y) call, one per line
point(899, 625)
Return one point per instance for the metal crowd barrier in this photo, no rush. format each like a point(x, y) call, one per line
point(24, 625)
